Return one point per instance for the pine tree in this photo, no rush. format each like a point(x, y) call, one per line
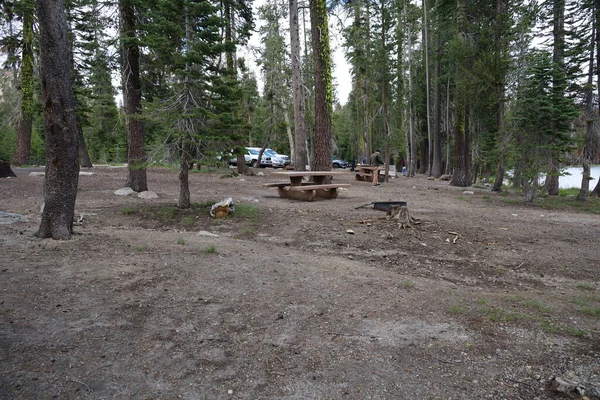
point(323, 85)
point(538, 108)
point(276, 77)
point(132, 95)
point(26, 83)
point(62, 168)
point(299, 151)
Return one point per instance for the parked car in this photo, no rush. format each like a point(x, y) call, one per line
point(251, 157)
point(338, 163)
point(277, 160)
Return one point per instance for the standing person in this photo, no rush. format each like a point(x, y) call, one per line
point(376, 162)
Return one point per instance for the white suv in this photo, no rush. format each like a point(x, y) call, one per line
point(277, 160)
point(251, 158)
point(252, 152)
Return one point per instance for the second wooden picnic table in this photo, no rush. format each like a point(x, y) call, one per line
point(299, 189)
point(366, 172)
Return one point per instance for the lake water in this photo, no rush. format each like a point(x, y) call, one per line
point(574, 179)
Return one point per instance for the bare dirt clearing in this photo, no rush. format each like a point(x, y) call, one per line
point(484, 299)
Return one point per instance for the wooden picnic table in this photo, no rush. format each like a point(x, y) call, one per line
point(365, 172)
point(298, 188)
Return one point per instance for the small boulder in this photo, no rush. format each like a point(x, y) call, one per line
point(126, 191)
point(206, 233)
point(147, 195)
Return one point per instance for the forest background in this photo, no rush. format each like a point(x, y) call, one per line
point(443, 87)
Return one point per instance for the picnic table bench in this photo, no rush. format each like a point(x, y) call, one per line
point(365, 172)
point(297, 189)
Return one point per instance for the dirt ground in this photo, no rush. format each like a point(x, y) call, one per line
point(485, 299)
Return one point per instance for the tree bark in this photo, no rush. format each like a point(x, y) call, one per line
point(461, 176)
point(5, 170)
point(558, 57)
point(84, 157)
point(300, 154)
point(429, 153)
point(132, 98)
point(552, 177)
point(501, 134)
point(596, 191)
point(62, 168)
point(412, 140)
point(323, 85)
point(184, 183)
point(447, 166)
point(436, 168)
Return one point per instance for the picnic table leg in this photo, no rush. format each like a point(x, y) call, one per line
point(306, 195)
point(296, 180)
point(319, 180)
point(327, 193)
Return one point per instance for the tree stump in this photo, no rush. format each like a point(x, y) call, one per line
point(5, 170)
point(401, 214)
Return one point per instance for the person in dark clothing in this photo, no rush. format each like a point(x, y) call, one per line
point(376, 162)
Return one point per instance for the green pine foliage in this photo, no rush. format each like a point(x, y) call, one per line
point(196, 105)
point(541, 120)
point(8, 115)
point(274, 63)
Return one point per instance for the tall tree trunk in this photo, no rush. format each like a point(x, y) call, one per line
point(323, 85)
point(558, 32)
point(185, 164)
point(183, 200)
point(242, 167)
point(400, 79)
point(84, 156)
point(429, 161)
point(62, 168)
point(500, 169)
point(23, 146)
point(447, 167)
point(412, 142)
point(300, 154)
point(596, 191)
point(385, 89)
point(501, 134)
point(288, 129)
point(132, 98)
point(461, 176)
point(365, 78)
point(436, 167)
